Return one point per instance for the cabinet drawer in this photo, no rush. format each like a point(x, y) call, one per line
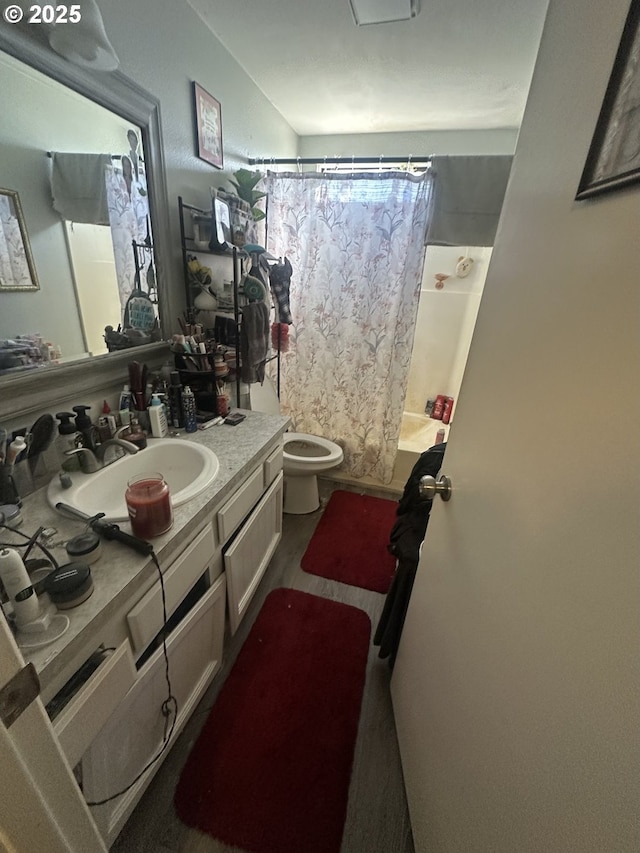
point(273, 465)
point(235, 509)
point(146, 618)
point(80, 721)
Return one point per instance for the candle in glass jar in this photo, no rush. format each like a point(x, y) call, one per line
point(149, 505)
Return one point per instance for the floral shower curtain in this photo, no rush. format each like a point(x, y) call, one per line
point(128, 206)
point(356, 244)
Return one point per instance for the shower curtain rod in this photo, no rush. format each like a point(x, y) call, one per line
point(313, 161)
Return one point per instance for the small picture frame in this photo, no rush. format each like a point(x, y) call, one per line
point(208, 127)
point(613, 160)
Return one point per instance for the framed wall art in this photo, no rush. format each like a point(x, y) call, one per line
point(208, 127)
point(614, 157)
point(17, 268)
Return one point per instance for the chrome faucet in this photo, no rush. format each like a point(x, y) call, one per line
point(91, 462)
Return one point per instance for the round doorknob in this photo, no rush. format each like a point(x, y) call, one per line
point(429, 487)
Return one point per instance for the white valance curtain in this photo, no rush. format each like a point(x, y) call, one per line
point(356, 244)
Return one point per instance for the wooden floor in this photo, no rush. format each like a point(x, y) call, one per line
point(377, 819)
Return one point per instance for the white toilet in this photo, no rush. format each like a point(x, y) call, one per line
point(305, 456)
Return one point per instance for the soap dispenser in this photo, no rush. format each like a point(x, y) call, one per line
point(86, 429)
point(68, 439)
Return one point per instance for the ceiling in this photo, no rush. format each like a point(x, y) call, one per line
point(459, 65)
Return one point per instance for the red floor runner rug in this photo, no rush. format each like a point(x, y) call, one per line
point(350, 542)
point(270, 771)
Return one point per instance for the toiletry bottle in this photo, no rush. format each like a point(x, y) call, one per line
point(68, 439)
point(104, 433)
point(110, 418)
point(189, 410)
point(86, 429)
point(124, 406)
point(17, 585)
point(438, 407)
point(8, 489)
point(135, 434)
point(175, 400)
point(157, 417)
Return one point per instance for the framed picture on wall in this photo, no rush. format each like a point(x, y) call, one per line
point(614, 157)
point(208, 126)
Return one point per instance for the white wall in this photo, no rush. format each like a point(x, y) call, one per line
point(444, 324)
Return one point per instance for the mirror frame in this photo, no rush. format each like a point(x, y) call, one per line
point(25, 393)
point(13, 196)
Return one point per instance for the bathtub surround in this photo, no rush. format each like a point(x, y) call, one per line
point(356, 245)
point(270, 771)
point(444, 328)
point(350, 542)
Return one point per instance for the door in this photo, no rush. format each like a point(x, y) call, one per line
point(515, 690)
point(40, 803)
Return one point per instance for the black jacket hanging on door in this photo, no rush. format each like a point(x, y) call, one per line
point(405, 538)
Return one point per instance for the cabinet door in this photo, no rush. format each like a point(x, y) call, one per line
point(134, 733)
point(145, 619)
point(246, 559)
point(81, 720)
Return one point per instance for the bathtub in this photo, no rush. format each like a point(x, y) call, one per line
point(417, 434)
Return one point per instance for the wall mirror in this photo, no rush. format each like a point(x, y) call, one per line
point(17, 269)
point(54, 108)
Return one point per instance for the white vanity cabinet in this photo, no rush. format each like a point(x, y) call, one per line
point(135, 732)
point(115, 726)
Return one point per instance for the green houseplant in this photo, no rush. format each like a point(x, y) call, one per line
point(245, 183)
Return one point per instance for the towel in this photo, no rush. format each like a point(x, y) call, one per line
point(254, 341)
point(78, 187)
point(280, 281)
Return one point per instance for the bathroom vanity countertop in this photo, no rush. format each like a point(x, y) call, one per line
point(120, 571)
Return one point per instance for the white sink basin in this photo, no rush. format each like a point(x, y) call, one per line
point(187, 467)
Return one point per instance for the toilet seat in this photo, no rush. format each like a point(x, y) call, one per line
point(310, 452)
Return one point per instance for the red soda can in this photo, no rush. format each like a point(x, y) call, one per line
point(448, 408)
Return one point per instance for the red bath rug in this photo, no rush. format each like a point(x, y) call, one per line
point(270, 771)
point(350, 542)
